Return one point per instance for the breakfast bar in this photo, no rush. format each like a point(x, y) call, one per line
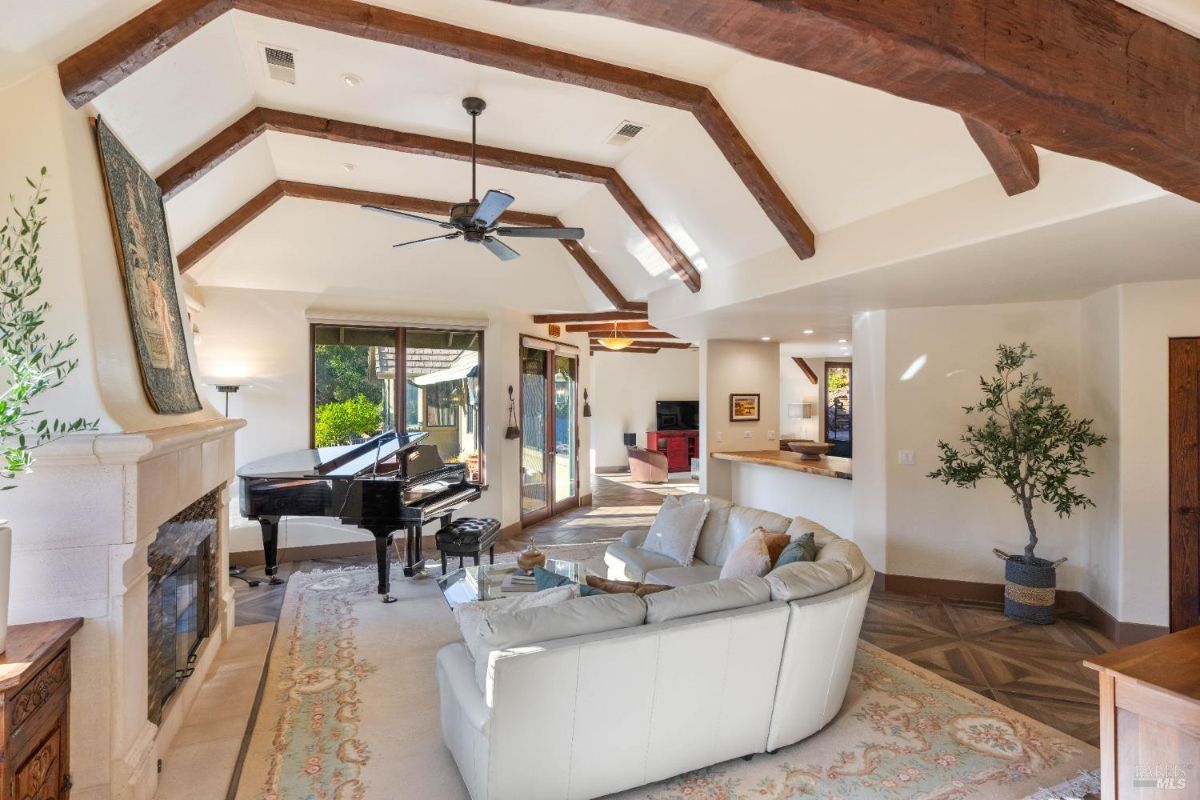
point(784, 482)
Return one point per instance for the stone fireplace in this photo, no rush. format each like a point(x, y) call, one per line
point(129, 531)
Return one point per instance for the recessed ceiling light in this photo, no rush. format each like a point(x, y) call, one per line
point(351, 80)
point(350, 168)
point(809, 331)
point(766, 338)
point(841, 341)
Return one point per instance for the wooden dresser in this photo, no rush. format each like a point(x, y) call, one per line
point(1150, 718)
point(35, 687)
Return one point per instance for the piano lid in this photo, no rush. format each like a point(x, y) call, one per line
point(342, 461)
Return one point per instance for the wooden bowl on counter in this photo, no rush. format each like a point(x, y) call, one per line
point(810, 451)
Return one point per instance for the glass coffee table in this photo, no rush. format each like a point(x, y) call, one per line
point(472, 584)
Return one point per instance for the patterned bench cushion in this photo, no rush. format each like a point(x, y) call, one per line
point(468, 535)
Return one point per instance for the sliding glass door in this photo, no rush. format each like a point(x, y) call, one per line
point(549, 431)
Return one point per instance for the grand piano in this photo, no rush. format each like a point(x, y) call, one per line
point(386, 484)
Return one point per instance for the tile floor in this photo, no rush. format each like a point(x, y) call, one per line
point(1034, 669)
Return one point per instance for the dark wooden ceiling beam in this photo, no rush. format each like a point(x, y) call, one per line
point(260, 120)
point(589, 316)
point(128, 48)
point(417, 205)
point(1015, 162)
point(609, 327)
point(642, 350)
point(806, 369)
point(638, 342)
point(1090, 78)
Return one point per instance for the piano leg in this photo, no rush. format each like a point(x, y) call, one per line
point(383, 540)
point(270, 537)
point(414, 564)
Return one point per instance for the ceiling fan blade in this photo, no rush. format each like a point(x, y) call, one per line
point(447, 237)
point(415, 217)
point(494, 204)
point(542, 233)
point(499, 249)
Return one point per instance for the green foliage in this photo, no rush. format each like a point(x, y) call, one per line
point(836, 381)
point(342, 422)
point(1026, 440)
point(31, 363)
point(343, 373)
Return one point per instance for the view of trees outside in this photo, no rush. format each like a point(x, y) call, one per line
point(837, 408)
point(352, 396)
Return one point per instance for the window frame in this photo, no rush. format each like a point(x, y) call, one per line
point(400, 399)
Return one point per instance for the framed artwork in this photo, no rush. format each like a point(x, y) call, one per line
point(139, 224)
point(743, 408)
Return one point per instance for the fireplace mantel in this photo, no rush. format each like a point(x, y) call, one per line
point(130, 447)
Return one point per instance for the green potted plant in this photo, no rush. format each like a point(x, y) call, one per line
point(30, 363)
point(1031, 443)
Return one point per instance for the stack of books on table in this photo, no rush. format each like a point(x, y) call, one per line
point(519, 582)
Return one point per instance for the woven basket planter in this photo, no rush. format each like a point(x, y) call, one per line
point(1029, 588)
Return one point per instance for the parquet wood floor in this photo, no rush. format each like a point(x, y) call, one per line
point(1035, 669)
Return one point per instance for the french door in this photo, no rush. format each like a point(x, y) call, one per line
point(549, 429)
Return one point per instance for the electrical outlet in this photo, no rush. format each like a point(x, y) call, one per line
point(907, 458)
point(747, 434)
point(770, 436)
point(720, 436)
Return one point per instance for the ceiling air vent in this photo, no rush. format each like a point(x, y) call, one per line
point(281, 64)
point(625, 132)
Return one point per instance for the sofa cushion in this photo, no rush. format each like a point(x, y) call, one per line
point(749, 559)
point(800, 549)
point(844, 552)
point(676, 529)
point(802, 525)
point(776, 543)
point(705, 598)
point(578, 617)
point(684, 576)
point(632, 563)
point(743, 521)
point(712, 535)
point(605, 586)
point(473, 617)
point(802, 579)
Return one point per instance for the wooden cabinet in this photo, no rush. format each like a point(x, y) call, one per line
point(35, 682)
point(680, 447)
point(1150, 718)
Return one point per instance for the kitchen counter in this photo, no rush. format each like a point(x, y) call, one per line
point(828, 466)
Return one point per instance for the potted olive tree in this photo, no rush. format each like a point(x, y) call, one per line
point(1031, 443)
point(30, 363)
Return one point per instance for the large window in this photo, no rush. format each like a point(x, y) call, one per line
point(356, 391)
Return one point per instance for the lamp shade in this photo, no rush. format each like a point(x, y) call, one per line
point(615, 342)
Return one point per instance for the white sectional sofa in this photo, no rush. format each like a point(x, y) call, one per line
point(655, 687)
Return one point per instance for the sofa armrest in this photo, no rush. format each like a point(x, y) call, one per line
point(456, 673)
point(634, 538)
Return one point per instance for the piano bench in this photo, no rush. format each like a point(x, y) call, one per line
point(468, 536)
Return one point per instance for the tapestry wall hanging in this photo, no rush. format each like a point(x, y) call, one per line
point(144, 253)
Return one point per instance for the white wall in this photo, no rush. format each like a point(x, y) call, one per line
point(263, 336)
point(626, 387)
point(795, 387)
point(734, 367)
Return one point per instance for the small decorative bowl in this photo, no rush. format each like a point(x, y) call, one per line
point(531, 557)
point(810, 451)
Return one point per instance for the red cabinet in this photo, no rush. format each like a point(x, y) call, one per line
point(680, 447)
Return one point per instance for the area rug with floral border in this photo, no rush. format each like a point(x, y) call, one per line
point(349, 712)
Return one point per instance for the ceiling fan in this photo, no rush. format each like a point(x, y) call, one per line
point(476, 220)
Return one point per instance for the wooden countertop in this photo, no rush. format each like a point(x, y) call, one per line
point(829, 466)
point(1170, 663)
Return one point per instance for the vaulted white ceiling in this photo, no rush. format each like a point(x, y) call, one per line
point(852, 160)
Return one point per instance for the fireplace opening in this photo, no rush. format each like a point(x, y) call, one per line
point(182, 589)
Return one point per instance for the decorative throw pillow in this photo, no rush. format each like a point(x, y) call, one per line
point(803, 548)
point(750, 559)
point(776, 542)
point(545, 579)
point(473, 617)
point(676, 530)
point(607, 586)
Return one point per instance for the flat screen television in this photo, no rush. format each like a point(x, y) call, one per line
point(677, 415)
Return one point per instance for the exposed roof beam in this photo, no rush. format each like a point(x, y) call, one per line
point(1090, 78)
point(1015, 162)
point(595, 340)
point(336, 194)
point(588, 316)
point(233, 138)
point(128, 48)
point(645, 350)
point(615, 326)
point(805, 368)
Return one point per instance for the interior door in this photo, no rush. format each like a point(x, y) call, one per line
point(839, 428)
point(549, 430)
point(1184, 455)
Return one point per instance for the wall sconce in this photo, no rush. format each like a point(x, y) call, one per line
point(512, 431)
point(587, 409)
point(804, 410)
